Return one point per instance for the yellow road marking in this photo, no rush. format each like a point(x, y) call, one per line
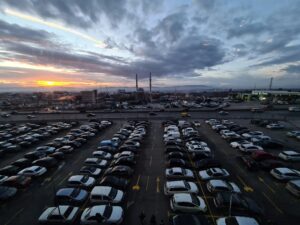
point(14, 216)
point(268, 186)
point(147, 183)
point(137, 187)
point(246, 187)
point(273, 203)
point(157, 185)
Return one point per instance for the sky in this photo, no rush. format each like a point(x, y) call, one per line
point(86, 44)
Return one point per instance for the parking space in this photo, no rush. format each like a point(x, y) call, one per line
point(145, 193)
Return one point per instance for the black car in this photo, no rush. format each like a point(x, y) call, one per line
point(48, 162)
point(7, 192)
point(58, 155)
point(22, 163)
point(177, 155)
point(178, 163)
point(125, 161)
point(174, 148)
point(131, 148)
point(271, 144)
point(201, 155)
point(35, 155)
point(188, 219)
point(116, 182)
point(10, 170)
point(171, 143)
point(25, 144)
point(207, 163)
point(71, 196)
point(239, 203)
point(120, 171)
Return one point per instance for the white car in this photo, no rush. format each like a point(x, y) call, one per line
point(219, 127)
point(99, 163)
point(260, 138)
point(190, 143)
point(212, 173)
point(285, 174)
point(34, 171)
point(197, 123)
point(83, 181)
point(275, 126)
point(293, 133)
point(184, 202)
point(177, 172)
point(236, 144)
point(106, 194)
point(211, 121)
point(289, 155)
point(214, 186)
point(230, 134)
point(180, 186)
point(237, 220)
point(124, 153)
point(252, 134)
point(102, 214)
point(102, 155)
point(248, 148)
point(62, 214)
point(198, 148)
point(294, 187)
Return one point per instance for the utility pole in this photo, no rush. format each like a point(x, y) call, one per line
point(271, 83)
point(136, 82)
point(150, 87)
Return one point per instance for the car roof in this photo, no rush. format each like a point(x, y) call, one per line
point(218, 183)
point(290, 152)
point(296, 182)
point(103, 190)
point(178, 183)
point(182, 197)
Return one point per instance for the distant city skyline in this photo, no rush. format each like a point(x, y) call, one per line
point(80, 45)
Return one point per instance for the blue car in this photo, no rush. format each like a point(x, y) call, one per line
point(71, 196)
point(109, 143)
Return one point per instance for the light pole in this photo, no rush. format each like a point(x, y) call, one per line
point(230, 202)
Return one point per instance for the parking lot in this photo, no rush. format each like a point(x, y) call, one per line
point(146, 190)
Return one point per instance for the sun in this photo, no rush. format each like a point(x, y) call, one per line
point(47, 83)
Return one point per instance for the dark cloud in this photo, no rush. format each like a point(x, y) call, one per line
point(77, 13)
point(17, 33)
point(293, 69)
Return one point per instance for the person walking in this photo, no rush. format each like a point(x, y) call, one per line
point(153, 220)
point(142, 217)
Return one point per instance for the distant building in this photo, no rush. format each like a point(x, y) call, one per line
point(88, 97)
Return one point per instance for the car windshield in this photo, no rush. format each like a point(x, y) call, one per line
point(84, 179)
point(113, 193)
point(187, 185)
point(231, 221)
point(107, 212)
point(75, 192)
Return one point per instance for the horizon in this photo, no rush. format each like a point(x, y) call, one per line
point(103, 44)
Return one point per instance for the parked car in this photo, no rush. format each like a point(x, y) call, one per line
point(293, 133)
point(116, 182)
point(190, 219)
point(212, 173)
point(106, 194)
point(184, 202)
point(289, 155)
point(22, 163)
point(90, 171)
point(17, 181)
point(218, 185)
point(285, 174)
point(178, 172)
point(99, 163)
point(81, 181)
point(275, 126)
point(7, 192)
point(239, 203)
point(237, 220)
point(34, 171)
point(61, 214)
point(121, 171)
point(102, 155)
point(47, 162)
point(207, 163)
point(249, 148)
point(71, 196)
point(293, 186)
point(102, 214)
point(180, 186)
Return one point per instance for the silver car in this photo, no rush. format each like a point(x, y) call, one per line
point(82, 181)
point(294, 187)
point(237, 220)
point(214, 186)
point(212, 173)
point(106, 194)
point(177, 172)
point(62, 214)
point(285, 174)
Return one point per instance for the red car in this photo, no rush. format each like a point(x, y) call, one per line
point(18, 181)
point(262, 155)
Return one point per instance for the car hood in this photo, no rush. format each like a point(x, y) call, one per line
point(116, 214)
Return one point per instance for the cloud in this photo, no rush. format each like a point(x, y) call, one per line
point(295, 69)
point(14, 32)
point(76, 13)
